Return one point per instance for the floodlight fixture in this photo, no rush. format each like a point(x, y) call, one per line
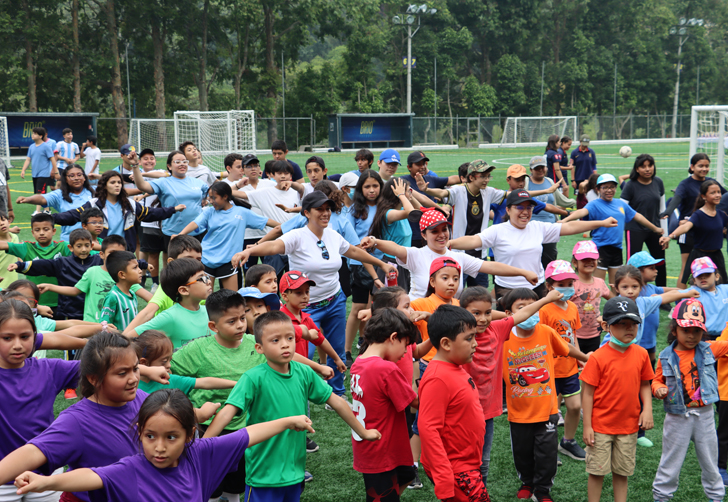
point(410, 19)
point(683, 20)
point(432, 11)
point(412, 9)
point(397, 20)
point(673, 30)
point(683, 31)
point(422, 8)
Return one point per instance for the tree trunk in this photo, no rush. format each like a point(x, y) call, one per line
point(76, 59)
point(242, 63)
point(202, 80)
point(117, 91)
point(158, 37)
point(270, 66)
point(29, 64)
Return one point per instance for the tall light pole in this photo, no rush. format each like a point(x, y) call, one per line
point(681, 30)
point(408, 19)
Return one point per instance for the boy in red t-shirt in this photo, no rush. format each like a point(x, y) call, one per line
point(451, 418)
point(528, 370)
point(380, 395)
point(487, 365)
point(612, 378)
point(563, 316)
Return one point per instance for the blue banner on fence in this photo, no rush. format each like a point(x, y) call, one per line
point(20, 128)
point(365, 129)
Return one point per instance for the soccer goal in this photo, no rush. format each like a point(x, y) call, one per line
point(708, 135)
point(536, 130)
point(4, 144)
point(157, 134)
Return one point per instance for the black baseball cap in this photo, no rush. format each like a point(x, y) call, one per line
point(316, 199)
point(619, 308)
point(316, 160)
point(416, 157)
point(147, 151)
point(519, 196)
point(250, 158)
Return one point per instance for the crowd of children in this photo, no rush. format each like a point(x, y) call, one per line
point(205, 394)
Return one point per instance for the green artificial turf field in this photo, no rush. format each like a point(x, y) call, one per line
point(334, 478)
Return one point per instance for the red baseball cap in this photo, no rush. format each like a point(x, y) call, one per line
point(294, 280)
point(432, 217)
point(442, 262)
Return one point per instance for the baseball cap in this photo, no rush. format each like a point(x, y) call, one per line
point(619, 308)
point(349, 179)
point(518, 196)
point(479, 166)
point(270, 299)
point(416, 157)
point(606, 178)
point(432, 217)
point(584, 140)
point(643, 259)
point(126, 149)
point(560, 270)
point(316, 199)
point(316, 160)
point(294, 280)
point(703, 265)
point(516, 171)
point(147, 151)
point(442, 262)
point(249, 159)
point(585, 249)
point(689, 313)
point(390, 155)
point(538, 160)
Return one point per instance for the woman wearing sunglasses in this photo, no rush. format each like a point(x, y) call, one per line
point(519, 241)
point(316, 250)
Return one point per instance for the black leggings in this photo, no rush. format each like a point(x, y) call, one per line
point(386, 486)
point(635, 240)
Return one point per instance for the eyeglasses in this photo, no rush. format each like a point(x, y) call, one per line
point(204, 279)
point(609, 188)
point(528, 207)
point(180, 162)
point(324, 251)
point(32, 301)
point(487, 178)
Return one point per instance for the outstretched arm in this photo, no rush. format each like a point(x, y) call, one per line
point(25, 458)
point(386, 247)
point(576, 215)
point(466, 243)
point(139, 180)
point(496, 268)
point(221, 420)
point(577, 227)
point(77, 480)
point(265, 249)
point(257, 433)
point(647, 223)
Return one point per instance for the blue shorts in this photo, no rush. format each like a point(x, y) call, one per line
point(415, 429)
point(291, 493)
point(568, 386)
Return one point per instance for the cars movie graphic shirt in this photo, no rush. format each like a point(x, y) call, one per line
point(528, 367)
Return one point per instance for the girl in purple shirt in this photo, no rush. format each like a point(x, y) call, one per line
point(172, 465)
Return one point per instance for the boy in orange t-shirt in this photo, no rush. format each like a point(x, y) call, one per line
point(528, 367)
point(611, 379)
point(563, 316)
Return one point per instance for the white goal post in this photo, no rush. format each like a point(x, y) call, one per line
point(708, 135)
point(4, 144)
point(216, 134)
point(536, 130)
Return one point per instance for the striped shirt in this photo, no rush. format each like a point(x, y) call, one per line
point(119, 309)
point(67, 150)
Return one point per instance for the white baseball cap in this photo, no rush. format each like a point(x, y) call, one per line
point(348, 180)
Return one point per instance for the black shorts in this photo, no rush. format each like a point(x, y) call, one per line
point(362, 284)
point(385, 486)
point(568, 386)
point(151, 240)
point(222, 271)
point(686, 242)
point(610, 257)
point(166, 238)
point(234, 481)
point(43, 184)
point(587, 345)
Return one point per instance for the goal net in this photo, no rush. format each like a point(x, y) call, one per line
point(4, 145)
point(520, 130)
point(215, 134)
point(708, 135)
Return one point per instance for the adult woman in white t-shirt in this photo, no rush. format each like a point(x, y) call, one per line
point(519, 241)
point(316, 250)
point(435, 231)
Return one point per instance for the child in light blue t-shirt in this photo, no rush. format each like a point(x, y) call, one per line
point(713, 296)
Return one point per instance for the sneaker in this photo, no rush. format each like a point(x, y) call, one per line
point(307, 476)
point(543, 497)
point(47, 210)
point(724, 475)
point(525, 492)
point(505, 409)
point(328, 408)
point(643, 441)
point(349, 360)
point(70, 394)
point(35, 212)
point(572, 449)
point(416, 484)
point(154, 289)
point(561, 420)
point(559, 463)
point(311, 445)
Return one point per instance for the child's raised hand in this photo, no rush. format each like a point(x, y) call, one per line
point(661, 393)
point(158, 374)
point(20, 200)
point(531, 277)
point(554, 296)
point(206, 411)
point(646, 421)
point(301, 423)
point(371, 435)
point(30, 482)
point(326, 372)
point(44, 287)
point(364, 315)
point(610, 222)
point(421, 183)
point(692, 293)
point(588, 436)
point(180, 207)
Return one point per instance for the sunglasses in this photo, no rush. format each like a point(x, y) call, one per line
point(324, 251)
point(528, 207)
point(204, 279)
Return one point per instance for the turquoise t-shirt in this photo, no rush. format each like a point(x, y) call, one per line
point(115, 219)
point(183, 383)
point(44, 324)
point(399, 232)
point(179, 324)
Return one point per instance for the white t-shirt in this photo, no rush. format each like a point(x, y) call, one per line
point(202, 173)
point(149, 200)
point(591, 195)
point(267, 199)
point(419, 261)
point(92, 155)
point(254, 233)
point(306, 256)
point(520, 248)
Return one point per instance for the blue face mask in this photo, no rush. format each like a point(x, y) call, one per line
point(530, 323)
point(567, 292)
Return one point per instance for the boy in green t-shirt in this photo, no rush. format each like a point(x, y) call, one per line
point(279, 388)
point(120, 305)
point(93, 221)
point(44, 247)
point(96, 282)
point(185, 282)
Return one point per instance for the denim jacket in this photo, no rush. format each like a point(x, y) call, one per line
point(705, 362)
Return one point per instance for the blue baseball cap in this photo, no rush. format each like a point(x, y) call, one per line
point(390, 155)
point(643, 259)
point(606, 178)
point(270, 299)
